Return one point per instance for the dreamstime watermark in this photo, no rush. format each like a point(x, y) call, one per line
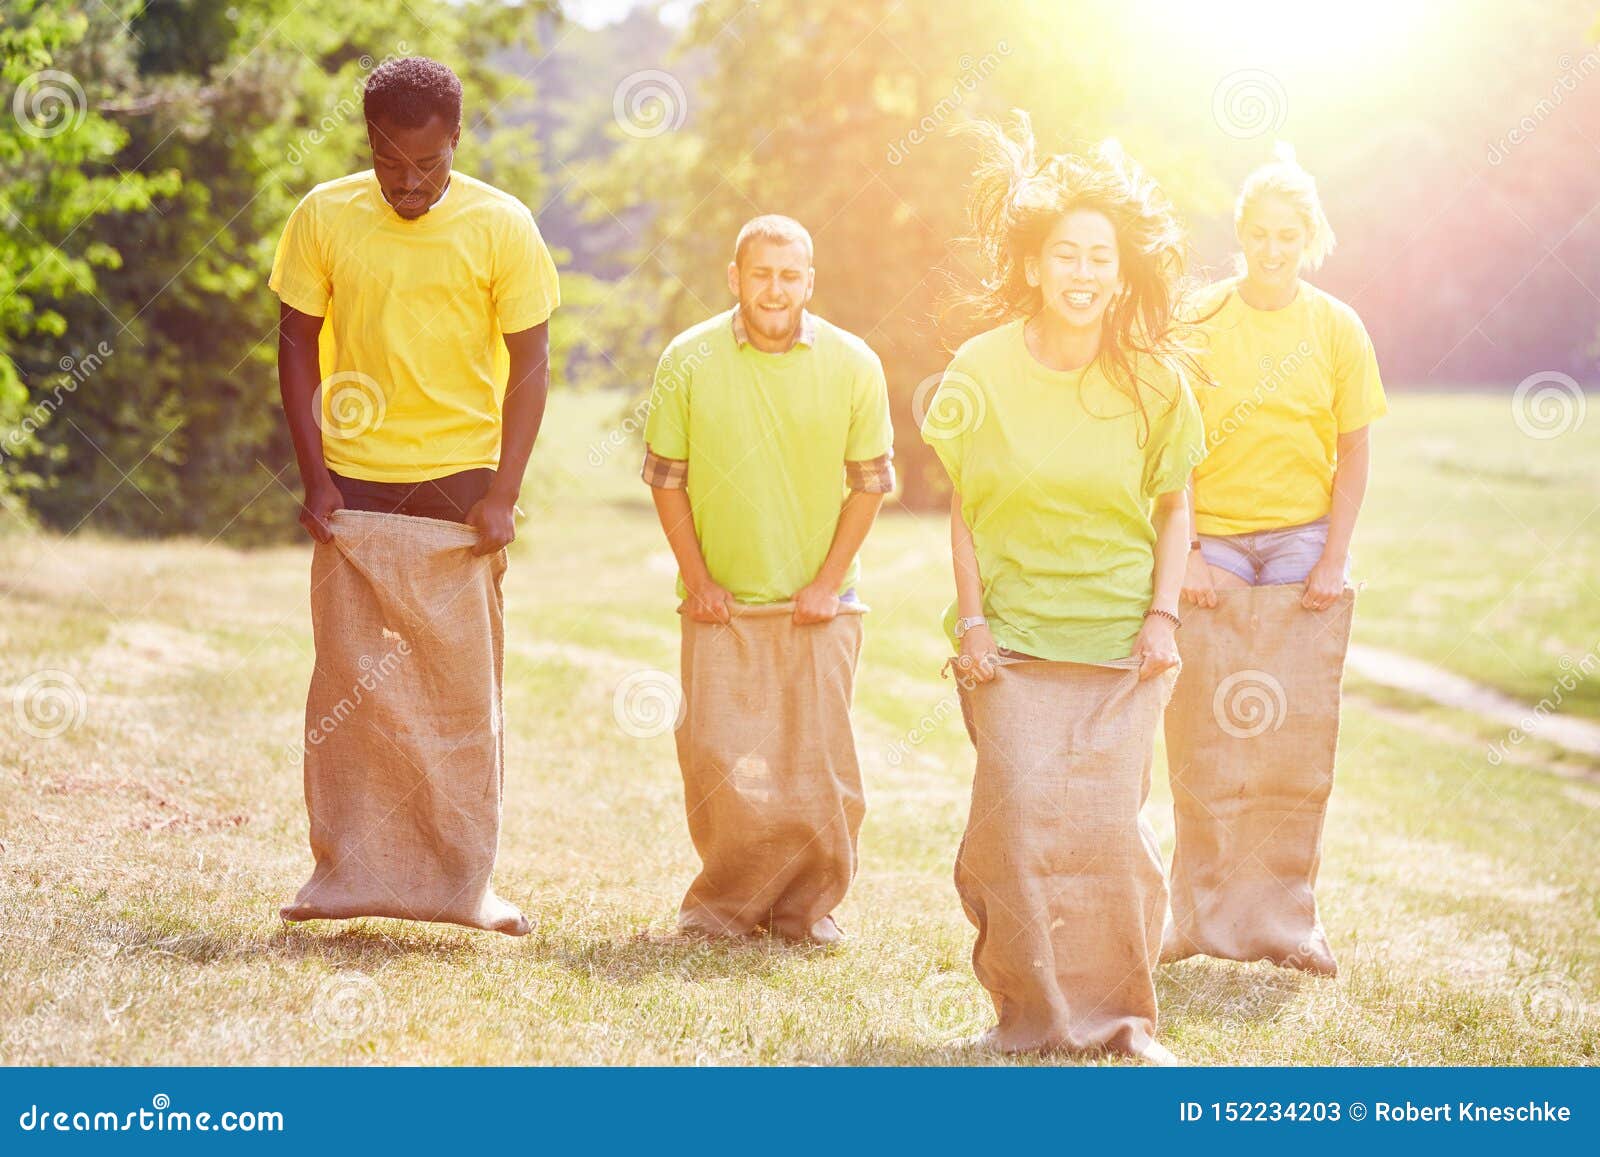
point(48, 704)
point(49, 103)
point(347, 1005)
point(1548, 404)
point(77, 370)
point(648, 703)
point(1274, 374)
point(962, 667)
point(1548, 1003)
point(160, 1117)
point(1311, 954)
point(927, 725)
point(973, 73)
point(676, 377)
point(649, 103)
point(373, 673)
point(1249, 103)
point(948, 404)
point(1573, 673)
point(343, 110)
point(348, 404)
point(1249, 703)
point(948, 1007)
point(1545, 106)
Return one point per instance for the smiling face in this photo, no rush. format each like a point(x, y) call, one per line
point(773, 282)
point(1078, 271)
point(413, 164)
point(1273, 236)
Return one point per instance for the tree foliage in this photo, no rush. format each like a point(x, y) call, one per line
point(58, 181)
point(840, 114)
point(209, 124)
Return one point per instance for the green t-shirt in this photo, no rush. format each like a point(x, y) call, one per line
point(766, 437)
point(1058, 490)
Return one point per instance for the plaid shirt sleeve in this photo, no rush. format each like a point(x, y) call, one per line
point(873, 476)
point(664, 473)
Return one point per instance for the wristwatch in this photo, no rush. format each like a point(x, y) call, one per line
point(965, 625)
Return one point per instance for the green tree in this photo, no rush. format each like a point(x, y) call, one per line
point(839, 113)
point(180, 430)
point(58, 184)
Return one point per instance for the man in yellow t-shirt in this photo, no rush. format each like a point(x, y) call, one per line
point(768, 447)
point(412, 360)
point(412, 349)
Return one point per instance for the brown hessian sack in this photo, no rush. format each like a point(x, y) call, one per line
point(1251, 736)
point(404, 757)
point(771, 782)
point(1058, 869)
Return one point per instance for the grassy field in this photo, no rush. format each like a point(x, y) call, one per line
point(1481, 545)
point(144, 851)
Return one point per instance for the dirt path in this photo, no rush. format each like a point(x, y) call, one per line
point(1406, 673)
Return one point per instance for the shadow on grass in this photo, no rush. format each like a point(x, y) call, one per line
point(1220, 992)
point(372, 943)
point(1216, 993)
point(648, 955)
point(367, 944)
point(952, 1053)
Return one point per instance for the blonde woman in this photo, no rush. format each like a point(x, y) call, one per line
point(1277, 497)
point(1253, 727)
point(1068, 434)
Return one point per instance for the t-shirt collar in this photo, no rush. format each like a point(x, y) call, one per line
point(806, 337)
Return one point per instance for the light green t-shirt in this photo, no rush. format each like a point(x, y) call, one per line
point(766, 437)
point(1058, 490)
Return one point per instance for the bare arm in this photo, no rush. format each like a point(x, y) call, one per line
point(818, 601)
point(299, 375)
point(708, 602)
point(978, 649)
point(1171, 518)
point(522, 413)
point(1199, 587)
point(1350, 478)
point(1350, 475)
point(969, 586)
point(1156, 649)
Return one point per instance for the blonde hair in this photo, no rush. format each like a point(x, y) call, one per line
point(772, 227)
point(1284, 178)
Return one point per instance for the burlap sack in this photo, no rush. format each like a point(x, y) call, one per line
point(1058, 869)
point(405, 759)
point(770, 777)
point(1251, 736)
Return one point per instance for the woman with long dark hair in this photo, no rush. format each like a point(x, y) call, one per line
point(1068, 431)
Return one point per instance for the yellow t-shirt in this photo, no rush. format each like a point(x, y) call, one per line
point(1058, 490)
point(413, 361)
point(1289, 382)
point(766, 437)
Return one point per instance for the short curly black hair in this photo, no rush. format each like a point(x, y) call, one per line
point(411, 91)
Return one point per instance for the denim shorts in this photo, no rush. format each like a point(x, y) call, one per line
point(1270, 557)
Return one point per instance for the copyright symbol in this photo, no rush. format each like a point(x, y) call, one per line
point(1358, 1111)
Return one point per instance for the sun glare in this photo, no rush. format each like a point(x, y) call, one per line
point(1301, 38)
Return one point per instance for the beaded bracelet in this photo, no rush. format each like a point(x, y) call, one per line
point(1176, 622)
